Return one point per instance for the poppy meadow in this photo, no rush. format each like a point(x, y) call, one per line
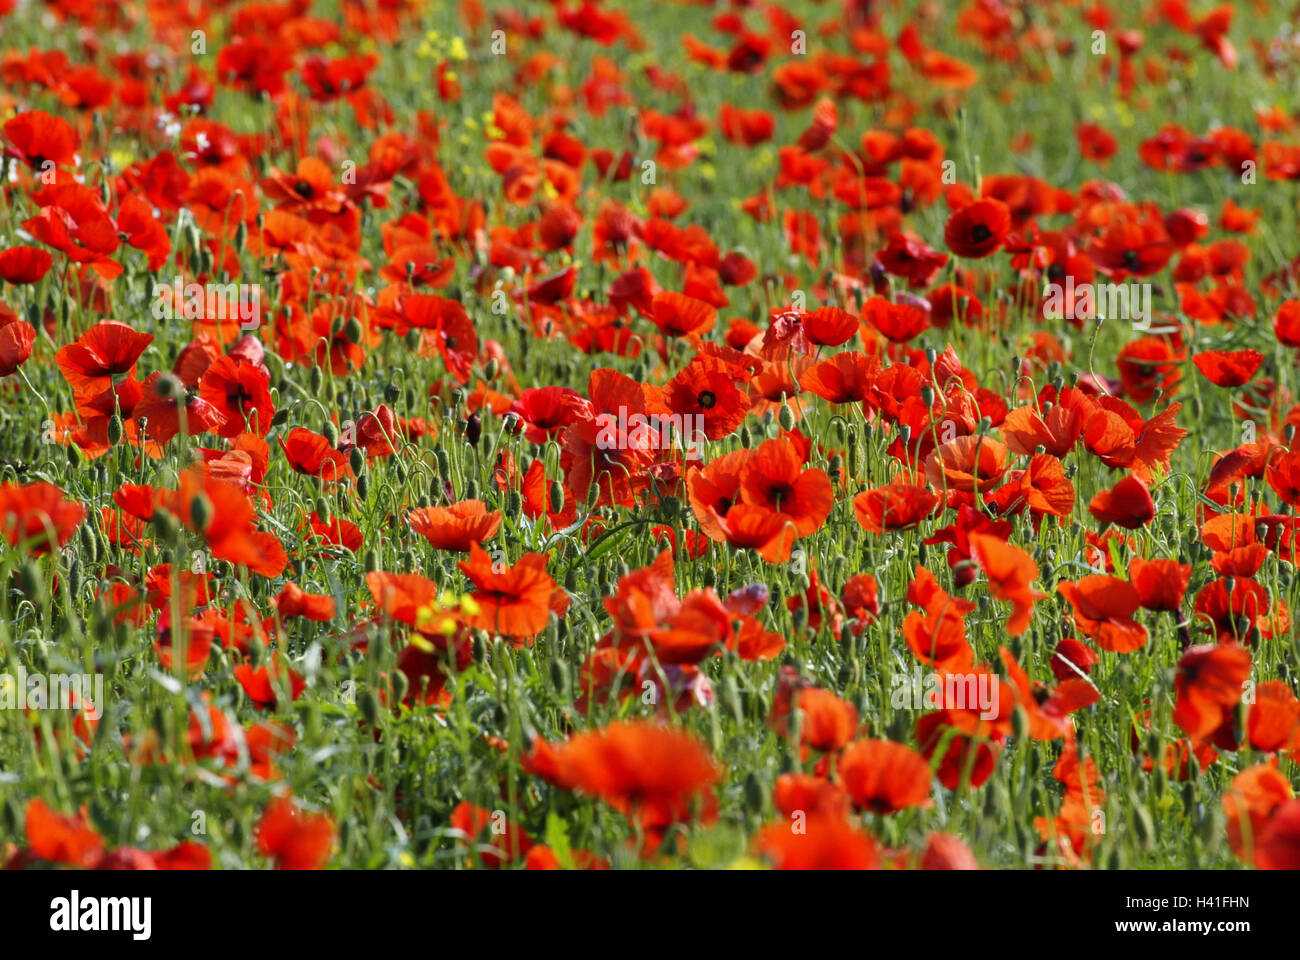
point(821, 434)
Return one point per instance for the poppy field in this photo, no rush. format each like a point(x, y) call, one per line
point(842, 434)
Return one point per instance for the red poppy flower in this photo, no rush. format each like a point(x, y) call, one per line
point(1286, 324)
point(654, 774)
point(1228, 368)
point(294, 838)
point(678, 315)
point(105, 350)
point(24, 264)
point(310, 453)
point(884, 776)
point(17, 337)
point(775, 479)
point(293, 601)
point(1103, 610)
point(456, 526)
point(706, 388)
point(35, 137)
point(513, 601)
point(825, 843)
point(37, 516)
point(895, 506)
point(1128, 504)
point(977, 229)
point(260, 684)
point(1208, 686)
point(1160, 584)
point(1010, 572)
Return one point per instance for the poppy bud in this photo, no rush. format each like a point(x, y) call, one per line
point(473, 428)
point(169, 386)
point(114, 429)
point(1209, 826)
point(29, 578)
point(710, 576)
point(371, 561)
point(786, 417)
point(317, 379)
point(369, 704)
point(200, 511)
point(165, 522)
point(331, 433)
point(363, 485)
point(557, 496)
point(89, 542)
point(559, 677)
point(162, 722)
point(905, 434)
point(444, 463)
point(755, 794)
point(357, 460)
point(323, 508)
point(256, 651)
point(1020, 724)
point(413, 338)
point(491, 370)
point(927, 394)
point(401, 686)
point(1146, 828)
point(352, 330)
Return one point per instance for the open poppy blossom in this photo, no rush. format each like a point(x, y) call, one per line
point(977, 229)
point(513, 601)
point(534, 460)
point(457, 526)
point(1127, 504)
point(1228, 368)
point(293, 838)
point(896, 506)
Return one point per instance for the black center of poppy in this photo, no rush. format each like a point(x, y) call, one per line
point(707, 399)
point(302, 188)
point(980, 233)
point(450, 342)
point(722, 506)
point(1130, 257)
